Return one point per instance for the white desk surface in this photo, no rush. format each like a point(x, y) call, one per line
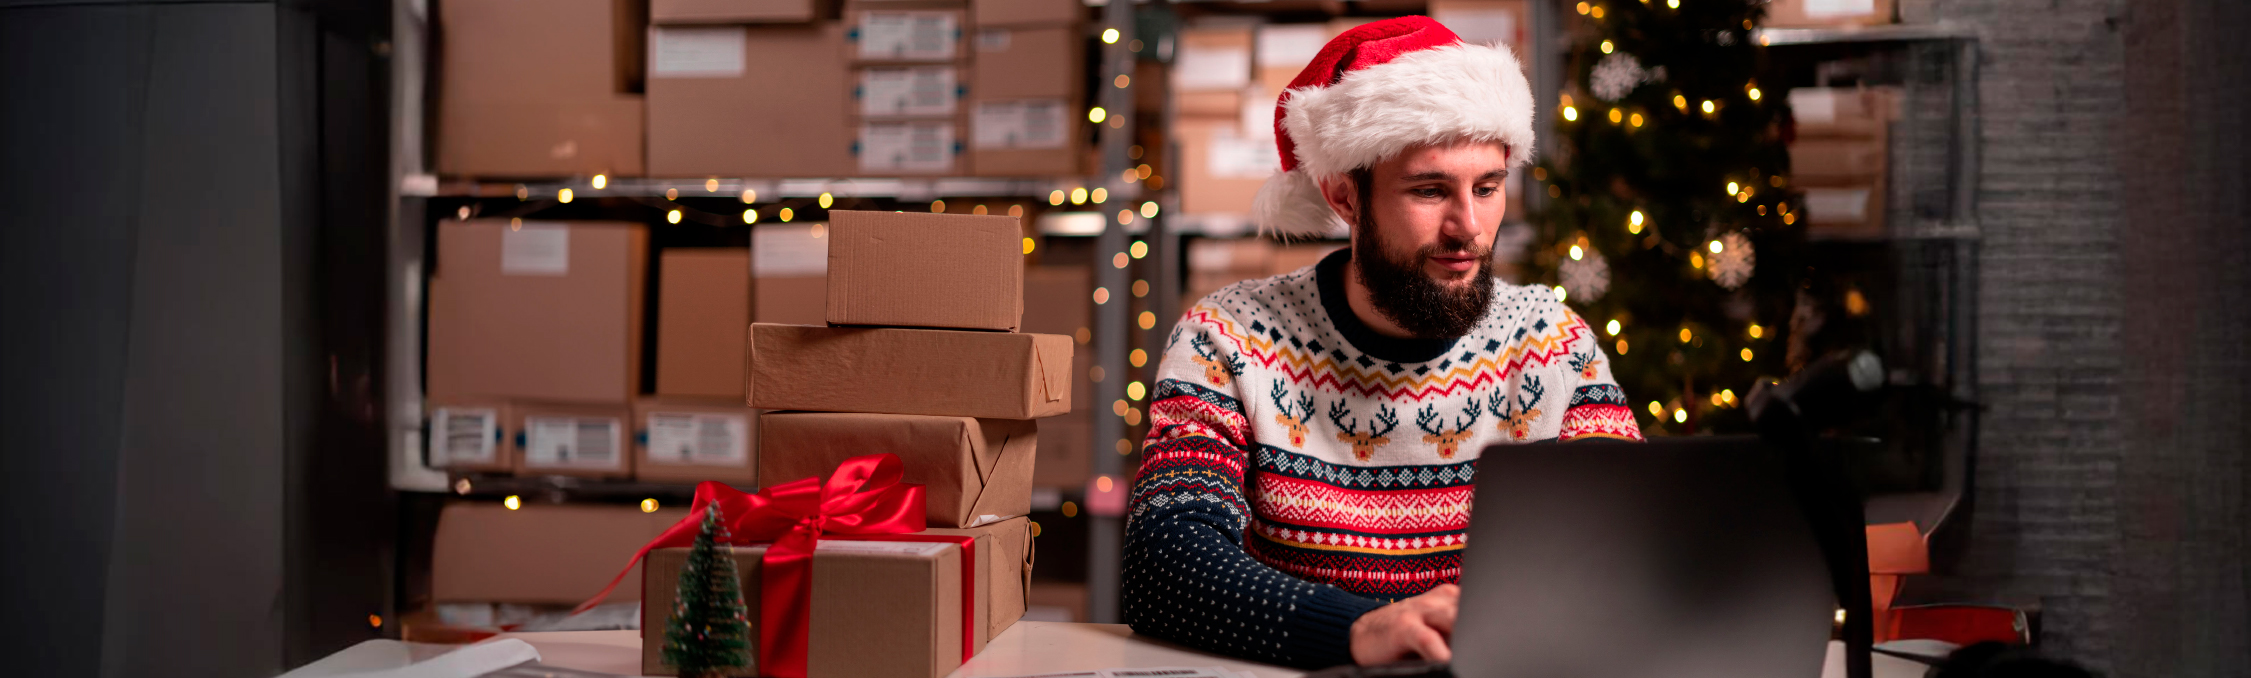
point(1031, 648)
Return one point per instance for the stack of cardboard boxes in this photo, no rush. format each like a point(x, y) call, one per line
point(760, 88)
point(920, 357)
point(1840, 158)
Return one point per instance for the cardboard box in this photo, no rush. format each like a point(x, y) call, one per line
point(793, 300)
point(925, 270)
point(551, 554)
point(1843, 112)
point(908, 147)
point(751, 101)
point(734, 11)
point(541, 310)
point(1812, 159)
point(973, 471)
point(1221, 168)
point(904, 32)
point(909, 91)
point(1827, 13)
point(1029, 63)
point(1844, 210)
point(1059, 300)
point(1066, 459)
point(469, 434)
point(1213, 59)
point(1210, 105)
point(571, 440)
point(1025, 12)
point(691, 440)
point(539, 88)
point(790, 264)
point(902, 600)
point(703, 314)
point(1004, 553)
point(991, 375)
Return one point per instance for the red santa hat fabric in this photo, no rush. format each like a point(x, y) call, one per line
point(1372, 92)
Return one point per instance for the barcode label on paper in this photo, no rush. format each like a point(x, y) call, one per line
point(699, 52)
point(907, 146)
point(909, 36)
point(535, 248)
point(463, 435)
point(574, 442)
point(921, 90)
point(1028, 124)
point(699, 438)
point(994, 39)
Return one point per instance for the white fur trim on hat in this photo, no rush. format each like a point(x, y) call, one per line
point(1453, 93)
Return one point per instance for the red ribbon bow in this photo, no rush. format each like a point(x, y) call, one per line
point(863, 497)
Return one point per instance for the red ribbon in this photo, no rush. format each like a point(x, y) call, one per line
point(863, 498)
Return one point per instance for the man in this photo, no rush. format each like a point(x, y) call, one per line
point(1284, 510)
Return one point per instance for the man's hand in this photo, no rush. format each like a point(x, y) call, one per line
point(1417, 627)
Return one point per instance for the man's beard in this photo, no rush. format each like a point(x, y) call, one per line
point(1403, 293)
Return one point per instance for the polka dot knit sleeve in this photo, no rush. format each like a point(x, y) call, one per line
point(1187, 576)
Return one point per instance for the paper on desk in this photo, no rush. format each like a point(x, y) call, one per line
point(1151, 672)
point(394, 659)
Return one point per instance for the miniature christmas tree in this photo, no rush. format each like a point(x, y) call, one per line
point(709, 632)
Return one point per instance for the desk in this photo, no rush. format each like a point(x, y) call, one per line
point(1029, 648)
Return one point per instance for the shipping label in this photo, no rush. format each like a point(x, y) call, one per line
point(1212, 68)
point(788, 250)
point(696, 52)
point(917, 90)
point(572, 442)
point(994, 39)
point(909, 36)
point(699, 438)
point(1026, 124)
point(536, 248)
point(907, 146)
point(464, 435)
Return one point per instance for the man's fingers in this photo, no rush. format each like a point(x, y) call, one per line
point(1429, 644)
point(1440, 616)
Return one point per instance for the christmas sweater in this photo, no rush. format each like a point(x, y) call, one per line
point(1301, 469)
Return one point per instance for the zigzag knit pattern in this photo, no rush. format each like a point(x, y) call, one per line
point(1281, 494)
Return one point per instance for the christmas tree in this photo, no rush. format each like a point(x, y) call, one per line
point(1669, 210)
point(709, 632)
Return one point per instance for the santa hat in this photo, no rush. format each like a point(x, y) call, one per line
point(1372, 92)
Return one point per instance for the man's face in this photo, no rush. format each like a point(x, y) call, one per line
point(1423, 235)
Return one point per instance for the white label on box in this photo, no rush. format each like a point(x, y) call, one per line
point(919, 548)
point(535, 248)
point(1479, 26)
point(1211, 68)
point(1232, 156)
point(699, 438)
point(1836, 205)
point(1814, 105)
point(909, 36)
point(1028, 124)
point(1831, 9)
point(994, 39)
point(463, 435)
point(1290, 44)
point(572, 442)
point(699, 52)
point(919, 90)
point(788, 250)
point(907, 146)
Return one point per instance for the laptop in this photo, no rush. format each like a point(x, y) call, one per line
point(1678, 557)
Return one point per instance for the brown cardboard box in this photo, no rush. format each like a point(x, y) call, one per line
point(733, 11)
point(1025, 12)
point(572, 440)
point(539, 88)
point(470, 434)
point(1826, 13)
point(790, 262)
point(908, 147)
point(1221, 169)
point(972, 470)
point(1844, 209)
point(1004, 552)
point(1066, 458)
point(691, 440)
point(902, 599)
point(1059, 300)
point(992, 375)
point(905, 31)
point(903, 269)
point(557, 554)
point(794, 300)
point(703, 312)
point(753, 101)
point(1213, 59)
point(1837, 158)
point(1028, 63)
point(1843, 112)
point(543, 310)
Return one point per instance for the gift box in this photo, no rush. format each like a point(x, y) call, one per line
point(973, 471)
point(925, 270)
point(991, 375)
point(879, 608)
point(1004, 569)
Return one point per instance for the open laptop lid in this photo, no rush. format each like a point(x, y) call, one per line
point(1680, 557)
